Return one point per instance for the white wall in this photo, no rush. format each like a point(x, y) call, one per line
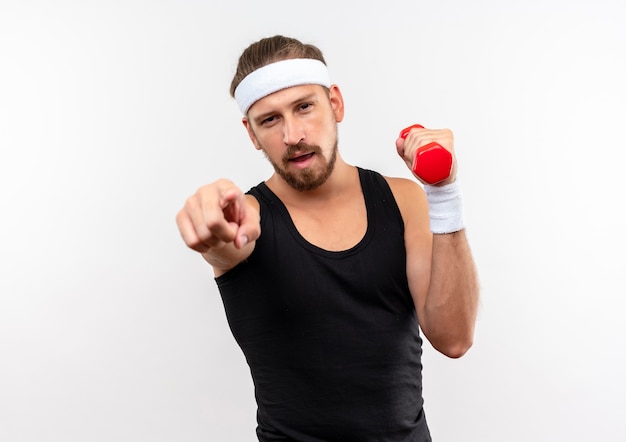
point(112, 113)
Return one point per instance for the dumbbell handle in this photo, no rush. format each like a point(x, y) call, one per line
point(432, 162)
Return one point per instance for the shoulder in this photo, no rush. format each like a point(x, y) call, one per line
point(411, 199)
point(256, 196)
point(405, 190)
point(253, 201)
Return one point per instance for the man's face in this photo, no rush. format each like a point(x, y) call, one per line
point(296, 128)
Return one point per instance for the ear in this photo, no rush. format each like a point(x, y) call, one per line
point(251, 134)
point(336, 102)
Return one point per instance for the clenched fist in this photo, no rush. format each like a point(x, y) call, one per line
point(412, 139)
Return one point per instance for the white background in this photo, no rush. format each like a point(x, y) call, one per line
point(113, 112)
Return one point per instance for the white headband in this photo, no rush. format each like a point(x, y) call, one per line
point(277, 76)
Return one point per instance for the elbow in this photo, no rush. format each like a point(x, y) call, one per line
point(452, 337)
point(455, 352)
point(454, 349)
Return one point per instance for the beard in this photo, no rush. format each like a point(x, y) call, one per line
point(306, 179)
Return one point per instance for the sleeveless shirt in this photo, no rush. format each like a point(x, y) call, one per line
point(331, 338)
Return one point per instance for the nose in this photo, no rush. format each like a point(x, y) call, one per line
point(293, 132)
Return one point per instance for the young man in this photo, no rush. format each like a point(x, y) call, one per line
point(326, 269)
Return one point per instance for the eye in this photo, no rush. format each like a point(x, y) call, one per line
point(304, 106)
point(269, 120)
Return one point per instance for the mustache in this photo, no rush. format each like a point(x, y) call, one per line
point(301, 147)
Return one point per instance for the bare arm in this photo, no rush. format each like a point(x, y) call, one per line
point(441, 275)
point(221, 223)
point(440, 268)
point(449, 313)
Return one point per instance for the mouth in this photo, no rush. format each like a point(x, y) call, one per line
point(301, 158)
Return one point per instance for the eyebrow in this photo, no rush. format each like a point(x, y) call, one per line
point(308, 97)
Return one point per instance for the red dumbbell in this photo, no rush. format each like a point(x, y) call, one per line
point(433, 162)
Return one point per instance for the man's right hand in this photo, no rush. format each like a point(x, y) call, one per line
point(217, 215)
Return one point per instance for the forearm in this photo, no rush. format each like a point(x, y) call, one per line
point(451, 301)
point(440, 267)
point(225, 258)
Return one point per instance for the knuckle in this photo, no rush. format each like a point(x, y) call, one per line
point(213, 220)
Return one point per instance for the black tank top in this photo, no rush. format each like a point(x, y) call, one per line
point(331, 338)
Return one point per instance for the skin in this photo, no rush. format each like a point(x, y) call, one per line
point(296, 128)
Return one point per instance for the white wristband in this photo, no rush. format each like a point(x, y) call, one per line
point(445, 208)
